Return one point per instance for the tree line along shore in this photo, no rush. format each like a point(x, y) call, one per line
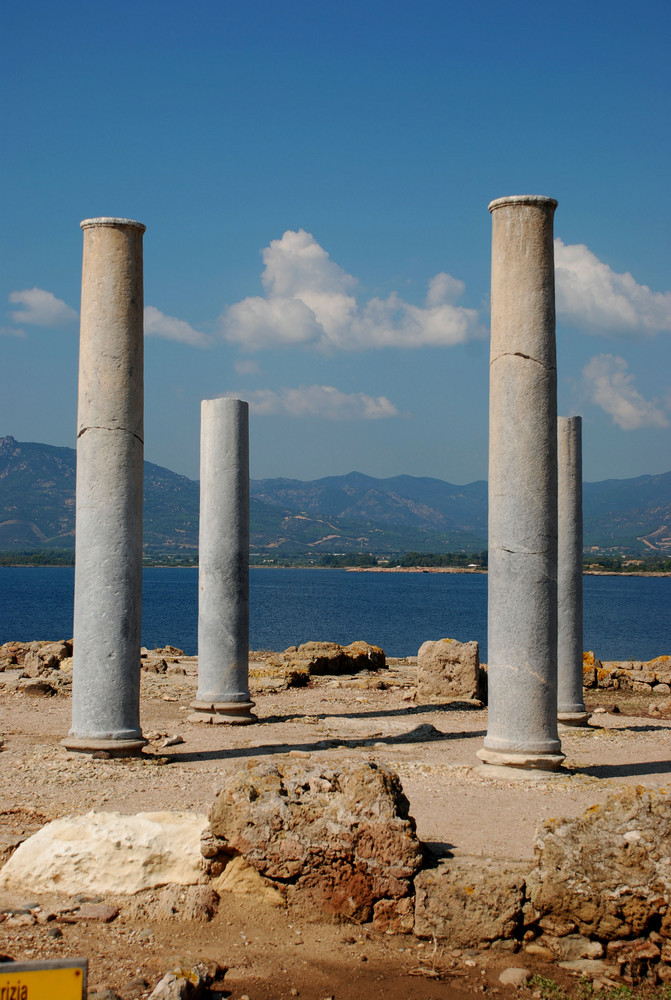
point(473, 562)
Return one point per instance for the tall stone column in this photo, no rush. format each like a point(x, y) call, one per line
point(223, 559)
point(108, 555)
point(522, 615)
point(571, 709)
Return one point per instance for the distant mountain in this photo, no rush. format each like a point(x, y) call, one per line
point(633, 515)
point(337, 514)
point(359, 513)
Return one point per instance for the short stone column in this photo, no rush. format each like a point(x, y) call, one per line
point(571, 709)
point(108, 554)
point(522, 575)
point(223, 560)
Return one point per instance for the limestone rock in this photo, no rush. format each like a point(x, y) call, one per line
point(295, 666)
point(242, 879)
point(339, 839)
point(39, 657)
point(108, 852)
point(468, 903)
point(36, 687)
point(104, 913)
point(639, 959)
point(448, 670)
point(394, 916)
point(572, 947)
point(609, 871)
point(330, 658)
point(515, 976)
point(188, 903)
point(182, 984)
point(590, 665)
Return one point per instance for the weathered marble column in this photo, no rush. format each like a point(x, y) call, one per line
point(223, 559)
point(522, 616)
point(108, 555)
point(571, 709)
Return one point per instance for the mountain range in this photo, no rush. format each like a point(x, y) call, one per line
point(336, 514)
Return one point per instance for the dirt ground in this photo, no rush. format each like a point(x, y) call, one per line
point(266, 952)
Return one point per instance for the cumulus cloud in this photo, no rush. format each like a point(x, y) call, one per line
point(308, 301)
point(41, 308)
point(322, 401)
point(611, 386)
point(157, 324)
point(590, 294)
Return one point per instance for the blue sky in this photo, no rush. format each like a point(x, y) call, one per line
point(314, 179)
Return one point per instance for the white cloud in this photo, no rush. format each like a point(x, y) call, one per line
point(12, 331)
point(322, 401)
point(309, 301)
point(245, 366)
point(611, 386)
point(41, 308)
point(157, 324)
point(589, 294)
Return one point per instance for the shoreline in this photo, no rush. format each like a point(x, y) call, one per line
point(364, 569)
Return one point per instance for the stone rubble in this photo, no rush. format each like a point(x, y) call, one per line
point(643, 677)
point(558, 913)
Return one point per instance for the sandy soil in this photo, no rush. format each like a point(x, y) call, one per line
point(457, 807)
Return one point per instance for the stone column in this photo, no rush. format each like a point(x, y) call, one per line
point(571, 709)
point(108, 555)
point(223, 559)
point(522, 616)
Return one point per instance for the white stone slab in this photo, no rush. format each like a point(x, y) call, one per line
point(108, 852)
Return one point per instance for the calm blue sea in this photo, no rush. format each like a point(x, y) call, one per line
point(625, 617)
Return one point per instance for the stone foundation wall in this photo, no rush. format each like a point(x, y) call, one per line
point(653, 676)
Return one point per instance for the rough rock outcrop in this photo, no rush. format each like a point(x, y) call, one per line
point(338, 839)
point(609, 871)
point(448, 670)
point(108, 852)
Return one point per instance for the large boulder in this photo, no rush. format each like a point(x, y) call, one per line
point(108, 852)
point(609, 871)
point(338, 840)
point(331, 658)
point(448, 670)
point(297, 664)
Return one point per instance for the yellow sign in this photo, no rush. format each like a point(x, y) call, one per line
point(59, 980)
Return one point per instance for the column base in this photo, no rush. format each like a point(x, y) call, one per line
point(522, 761)
point(115, 748)
point(572, 719)
point(222, 713)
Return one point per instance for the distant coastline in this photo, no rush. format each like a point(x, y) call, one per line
point(480, 570)
point(477, 571)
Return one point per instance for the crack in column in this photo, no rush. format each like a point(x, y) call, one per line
point(525, 357)
point(124, 430)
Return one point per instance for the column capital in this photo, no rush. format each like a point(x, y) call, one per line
point(524, 199)
point(112, 223)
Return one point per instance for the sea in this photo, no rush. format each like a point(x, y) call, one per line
point(625, 617)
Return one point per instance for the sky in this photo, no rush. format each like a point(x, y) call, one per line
point(314, 178)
